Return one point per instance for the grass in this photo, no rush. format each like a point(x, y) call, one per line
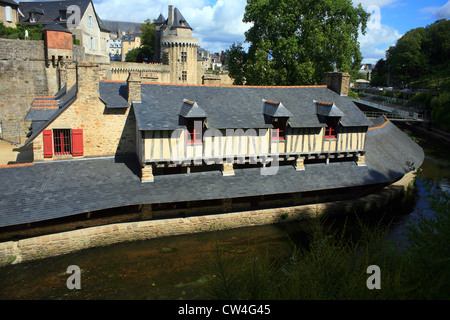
point(334, 265)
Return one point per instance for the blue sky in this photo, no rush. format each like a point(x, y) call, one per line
point(218, 23)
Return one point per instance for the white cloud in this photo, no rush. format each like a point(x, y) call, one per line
point(438, 12)
point(217, 26)
point(376, 41)
point(218, 23)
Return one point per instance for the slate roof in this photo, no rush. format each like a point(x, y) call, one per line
point(120, 26)
point(50, 190)
point(114, 96)
point(55, 27)
point(328, 110)
point(190, 109)
point(49, 11)
point(234, 106)
point(178, 21)
point(275, 109)
point(131, 36)
point(46, 109)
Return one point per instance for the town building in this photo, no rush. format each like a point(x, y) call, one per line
point(167, 150)
point(115, 50)
point(129, 42)
point(77, 16)
point(182, 149)
point(9, 13)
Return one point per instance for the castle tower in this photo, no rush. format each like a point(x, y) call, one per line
point(176, 47)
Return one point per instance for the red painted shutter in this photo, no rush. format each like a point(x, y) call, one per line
point(48, 143)
point(77, 142)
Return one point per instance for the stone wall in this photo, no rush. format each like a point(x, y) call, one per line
point(23, 76)
point(148, 72)
point(67, 242)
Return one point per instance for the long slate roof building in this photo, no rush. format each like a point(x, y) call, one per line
point(104, 144)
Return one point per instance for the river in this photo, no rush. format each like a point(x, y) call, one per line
point(175, 267)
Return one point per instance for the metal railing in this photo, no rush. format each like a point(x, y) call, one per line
point(393, 116)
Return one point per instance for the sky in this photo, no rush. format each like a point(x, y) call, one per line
point(218, 23)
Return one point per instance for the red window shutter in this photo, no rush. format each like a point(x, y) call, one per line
point(48, 143)
point(77, 142)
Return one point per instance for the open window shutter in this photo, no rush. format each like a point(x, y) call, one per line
point(77, 142)
point(48, 143)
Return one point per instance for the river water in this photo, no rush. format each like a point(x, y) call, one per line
point(175, 267)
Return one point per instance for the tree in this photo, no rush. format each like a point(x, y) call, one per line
point(421, 52)
point(295, 42)
point(146, 51)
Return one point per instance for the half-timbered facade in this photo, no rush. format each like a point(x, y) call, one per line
point(176, 129)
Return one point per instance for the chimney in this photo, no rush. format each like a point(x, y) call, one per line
point(89, 75)
point(68, 74)
point(170, 20)
point(337, 81)
point(134, 87)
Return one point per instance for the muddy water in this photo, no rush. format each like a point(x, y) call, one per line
point(177, 267)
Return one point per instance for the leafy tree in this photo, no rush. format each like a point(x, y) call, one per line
point(420, 53)
point(146, 51)
point(148, 33)
point(295, 42)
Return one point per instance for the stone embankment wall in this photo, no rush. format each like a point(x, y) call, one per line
point(66, 242)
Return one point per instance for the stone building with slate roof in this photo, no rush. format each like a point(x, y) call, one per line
point(82, 21)
point(205, 149)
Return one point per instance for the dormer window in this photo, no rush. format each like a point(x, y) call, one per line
point(331, 128)
point(194, 118)
point(279, 129)
point(331, 115)
point(194, 132)
point(32, 17)
point(276, 114)
point(62, 15)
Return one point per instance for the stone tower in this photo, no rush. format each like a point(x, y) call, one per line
point(176, 47)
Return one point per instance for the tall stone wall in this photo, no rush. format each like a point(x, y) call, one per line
point(23, 76)
point(148, 72)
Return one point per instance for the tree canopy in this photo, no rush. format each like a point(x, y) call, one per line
point(146, 51)
point(295, 42)
point(420, 53)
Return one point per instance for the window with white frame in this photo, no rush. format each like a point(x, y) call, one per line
point(8, 14)
point(90, 23)
point(92, 43)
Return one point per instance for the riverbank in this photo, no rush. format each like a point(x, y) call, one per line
point(13, 252)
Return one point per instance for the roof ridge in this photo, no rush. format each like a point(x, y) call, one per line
point(226, 86)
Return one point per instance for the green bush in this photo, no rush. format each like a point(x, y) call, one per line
point(440, 113)
point(353, 94)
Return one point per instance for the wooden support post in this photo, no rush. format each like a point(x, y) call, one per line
point(360, 160)
point(146, 212)
point(227, 169)
point(227, 205)
point(300, 164)
point(147, 173)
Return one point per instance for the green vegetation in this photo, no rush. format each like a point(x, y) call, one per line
point(294, 42)
point(440, 113)
point(147, 49)
point(34, 32)
point(418, 60)
point(334, 266)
